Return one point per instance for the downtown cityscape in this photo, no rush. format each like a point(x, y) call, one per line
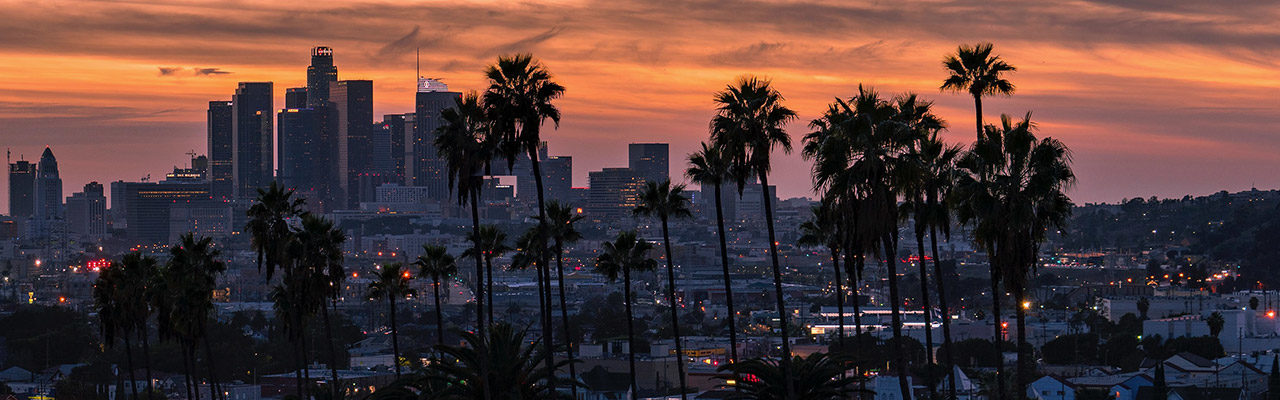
point(317, 249)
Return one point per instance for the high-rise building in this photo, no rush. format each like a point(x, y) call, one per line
point(220, 152)
point(295, 97)
point(87, 212)
point(728, 201)
point(395, 126)
point(557, 177)
point(352, 105)
point(22, 188)
point(649, 160)
point(48, 198)
point(428, 169)
point(319, 74)
point(147, 205)
point(614, 192)
point(300, 150)
point(251, 143)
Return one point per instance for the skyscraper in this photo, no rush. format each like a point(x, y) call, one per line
point(22, 188)
point(220, 151)
point(251, 138)
point(557, 177)
point(48, 198)
point(395, 126)
point(649, 160)
point(352, 105)
point(295, 97)
point(300, 150)
point(87, 212)
point(432, 97)
point(319, 74)
point(614, 192)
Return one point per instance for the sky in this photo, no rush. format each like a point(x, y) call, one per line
point(1153, 97)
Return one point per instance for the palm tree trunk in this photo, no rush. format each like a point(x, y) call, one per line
point(998, 341)
point(853, 264)
point(928, 307)
point(333, 354)
point(977, 109)
point(728, 284)
point(835, 262)
point(631, 331)
point(395, 336)
point(306, 368)
point(1024, 367)
point(298, 350)
point(213, 378)
point(938, 280)
point(542, 264)
point(435, 287)
point(475, 231)
point(188, 381)
point(895, 314)
point(191, 355)
point(146, 358)
point(488, 290)
point(564, 319)
point(128, 357)
point(777, 284)
point(675, 309)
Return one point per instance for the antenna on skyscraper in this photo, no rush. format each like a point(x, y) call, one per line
point(417, 66)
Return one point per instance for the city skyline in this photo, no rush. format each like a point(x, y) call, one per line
point(115, 101)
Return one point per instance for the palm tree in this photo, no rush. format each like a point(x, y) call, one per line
point(392, 282)
point(191, 279)
point(665, 201)
point(111, 298)
point(975, 70)
point(294, 303)
point(625, 254)
point(517, 102)
point(823, 231)
point(1215, 322)
point(490, 242)
point(711, 166)
point(317, 249)
point(859, 152)
point(937, 175)
point(533, 252)
point(749, 124)
point(268, 225)
point(467, 148)
point(817, 377)
point(561, 219)
point(1013, 192)
point(517, 366)
point(437, 264)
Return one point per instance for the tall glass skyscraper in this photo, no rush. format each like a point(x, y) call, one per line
point(427, 168)
point(319, 74)
point(352, 105)
point(48, 198)
point(22, 188)
point(220, 151)
point(649, 160)
point(251, 134)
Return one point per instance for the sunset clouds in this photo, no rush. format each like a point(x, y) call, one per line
point(1154, 97)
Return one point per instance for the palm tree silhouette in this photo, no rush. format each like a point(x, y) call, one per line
point(467, 147)
point(1013, 192)
point(560, 222)
point(822, 230)
point(489, 243)
point(711, 166)
point(392, 282)
point(316, 249)
point(818, 376)
point(517, 102)
point(749, 124)
point(191, 278)
point(665, 201)
point(112, 292)
point(625, 254)
point(517, 366)
point(268, 225)
point(436, 263)
point(533, 252)
point(975, 70)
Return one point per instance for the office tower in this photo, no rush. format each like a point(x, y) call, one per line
point(395, 125)
point(251, 144)
point(728, 201)
point(48, 198)
point(557, 177)
point(22, 189)
point(749, 205)
point(432, 97)
point(147, 206)
point(295, 97)
point(380, 150)
point(319, 74)
point(649, 160)
point(522, 169)
point(200, 164)
point(297, 135)
point(352, 105)
point(220, 154)
point(614, 192)
point(87, 212)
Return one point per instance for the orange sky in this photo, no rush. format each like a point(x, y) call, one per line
point(1154, 97)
